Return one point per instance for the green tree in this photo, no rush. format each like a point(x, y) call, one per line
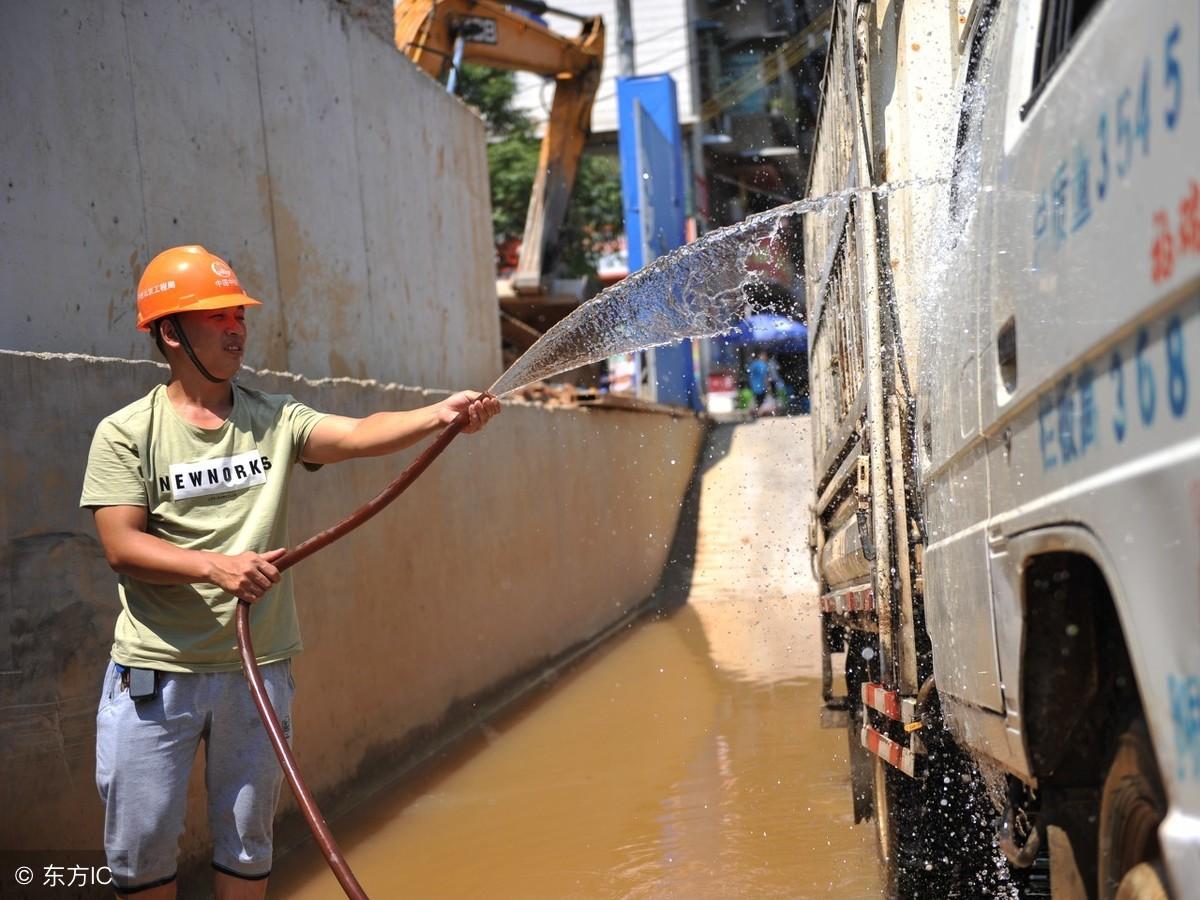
point(594, 215)
point(491, 91)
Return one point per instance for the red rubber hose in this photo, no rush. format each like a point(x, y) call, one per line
point(308, 805)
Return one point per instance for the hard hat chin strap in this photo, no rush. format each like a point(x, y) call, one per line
point(187, 347)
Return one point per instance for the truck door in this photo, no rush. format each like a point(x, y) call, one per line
point(958, 604)
point(1091, 322)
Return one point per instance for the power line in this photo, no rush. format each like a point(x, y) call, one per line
point(641, 62)
point(600, 97)
point(662, 34)
point(613, 93)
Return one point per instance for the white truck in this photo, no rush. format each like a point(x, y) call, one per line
point(1005, 370)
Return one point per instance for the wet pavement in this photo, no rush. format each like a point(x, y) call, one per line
point(682, 759)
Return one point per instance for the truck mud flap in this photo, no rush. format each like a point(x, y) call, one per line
point(862, 780)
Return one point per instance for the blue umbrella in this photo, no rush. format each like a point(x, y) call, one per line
point(778, 332)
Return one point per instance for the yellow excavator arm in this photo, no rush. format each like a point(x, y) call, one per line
point(439, 34)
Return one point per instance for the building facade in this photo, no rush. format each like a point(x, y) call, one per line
point(747, 76)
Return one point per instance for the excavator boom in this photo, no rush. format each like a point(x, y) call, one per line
point(436, 34)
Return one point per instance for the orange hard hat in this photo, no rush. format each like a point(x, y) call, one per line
point(185, 279)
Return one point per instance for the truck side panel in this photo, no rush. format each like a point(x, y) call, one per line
point(1044, 303)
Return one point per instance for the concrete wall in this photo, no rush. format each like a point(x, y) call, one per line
point(517, 544)
point(349, 191)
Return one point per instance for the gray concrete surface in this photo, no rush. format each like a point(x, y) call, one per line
point(751, 584)
point(349, 191)
point(516, 545)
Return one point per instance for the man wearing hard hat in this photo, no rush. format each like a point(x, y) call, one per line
point(189, 489)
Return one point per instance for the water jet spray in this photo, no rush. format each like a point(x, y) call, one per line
point(695, 291)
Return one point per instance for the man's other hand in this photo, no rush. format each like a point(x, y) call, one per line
point(246, 576)
point(480, 408)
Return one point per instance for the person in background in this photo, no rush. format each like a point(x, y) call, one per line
point(188, 486)
point(777, 386)
point(758, 372)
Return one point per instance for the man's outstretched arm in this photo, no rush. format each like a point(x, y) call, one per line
point(336, 438)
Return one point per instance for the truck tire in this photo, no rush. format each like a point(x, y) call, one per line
point(1132, 806)
point(936, 834)
point(885, 828)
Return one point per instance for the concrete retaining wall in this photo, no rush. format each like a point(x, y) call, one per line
point(348, 189)
point(517, 544)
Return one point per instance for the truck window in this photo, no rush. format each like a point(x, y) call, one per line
point(1062, 20)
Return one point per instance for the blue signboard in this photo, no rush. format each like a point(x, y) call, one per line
point(651, 151)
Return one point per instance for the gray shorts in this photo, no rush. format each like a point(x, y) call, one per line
point(144, 755)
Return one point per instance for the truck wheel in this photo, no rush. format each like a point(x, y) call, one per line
point(885, 829)
point(936, 834)
point(1131, 808)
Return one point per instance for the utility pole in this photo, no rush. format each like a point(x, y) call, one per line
point(625, 38)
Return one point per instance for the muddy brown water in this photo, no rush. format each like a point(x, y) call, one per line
point(682, 759)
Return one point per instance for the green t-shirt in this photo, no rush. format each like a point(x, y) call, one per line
point(220, 489)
